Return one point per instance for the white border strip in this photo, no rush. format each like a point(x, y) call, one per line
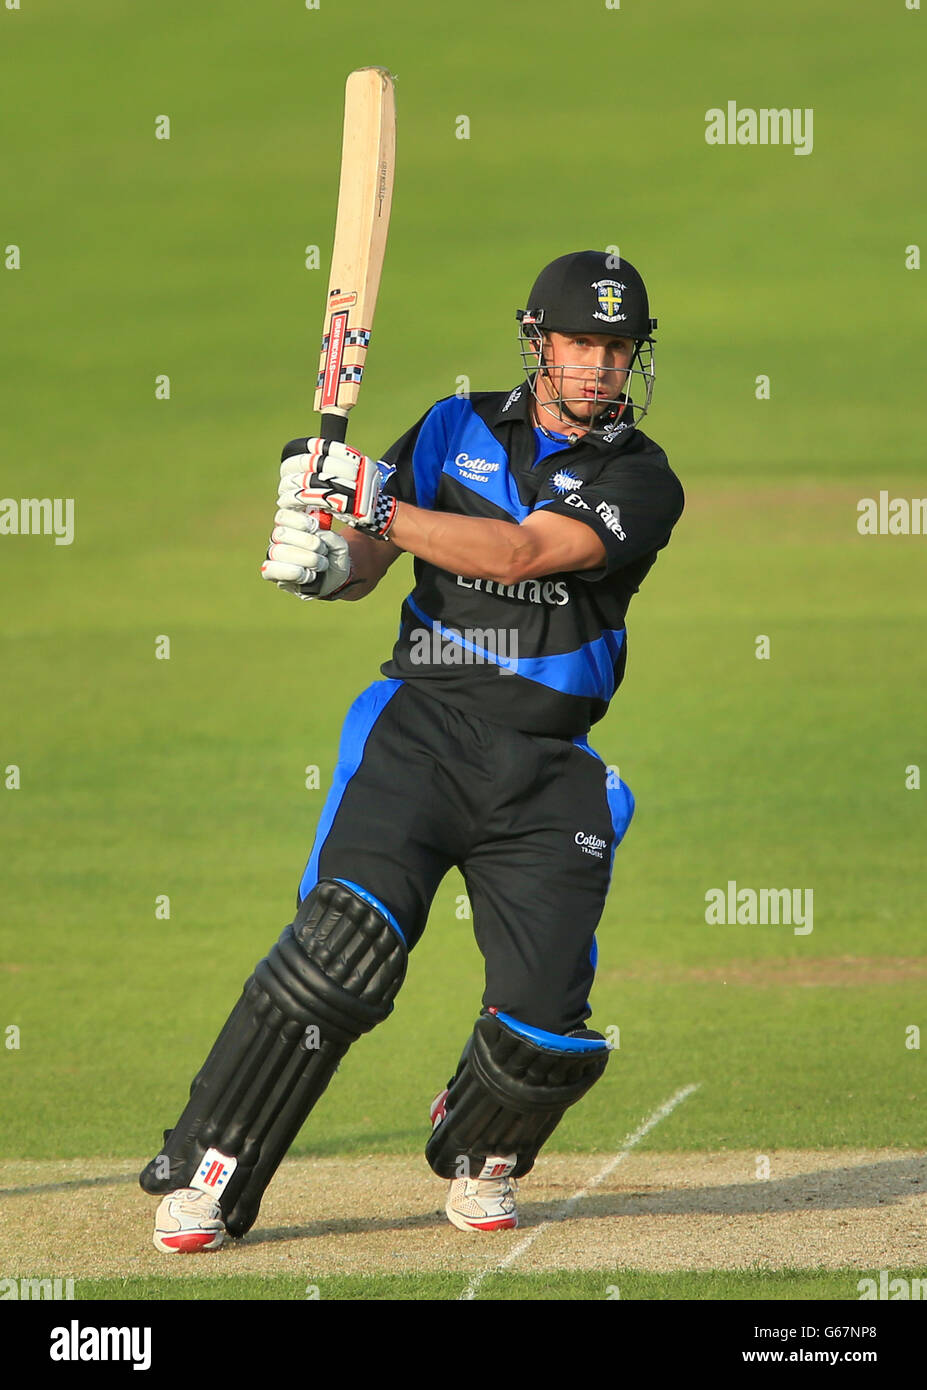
point(632, 1140)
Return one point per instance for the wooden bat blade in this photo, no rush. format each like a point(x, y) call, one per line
point(365, 195)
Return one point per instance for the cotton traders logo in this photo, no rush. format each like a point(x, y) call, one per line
point(475, 470)
point(565, 482)
point(608, 293)
point(590, 844)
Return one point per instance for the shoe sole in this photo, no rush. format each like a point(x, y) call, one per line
point(188, 1242)
point(492, 1223)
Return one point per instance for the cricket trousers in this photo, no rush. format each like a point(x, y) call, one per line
point(531, 822)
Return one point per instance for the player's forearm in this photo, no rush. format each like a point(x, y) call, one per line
point(475, 547)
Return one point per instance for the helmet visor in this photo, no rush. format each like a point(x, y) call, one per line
point(581, 389)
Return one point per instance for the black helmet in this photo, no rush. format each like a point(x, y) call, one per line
point(588, 292)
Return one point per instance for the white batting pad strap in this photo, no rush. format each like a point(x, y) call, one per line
point(214, 1172)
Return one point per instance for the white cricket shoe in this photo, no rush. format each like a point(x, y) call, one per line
point(482, 1204)
point(486, 1202)
point(188, 1220)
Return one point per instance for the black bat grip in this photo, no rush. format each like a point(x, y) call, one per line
point(334, 427)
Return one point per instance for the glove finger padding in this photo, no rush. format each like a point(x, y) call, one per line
point(313, 548)
point(328, 458)
point(331, 477)
point(300, 590)
point(281, 572)
point(315, 566)
point(294, 557)
point(297, 520)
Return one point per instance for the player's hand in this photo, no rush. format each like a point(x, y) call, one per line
point(303, 559)
point(328, 476)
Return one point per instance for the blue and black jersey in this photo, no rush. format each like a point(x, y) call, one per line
point(544, 655)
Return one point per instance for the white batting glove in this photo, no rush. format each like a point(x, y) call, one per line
point(305, 560)
point(330, 477)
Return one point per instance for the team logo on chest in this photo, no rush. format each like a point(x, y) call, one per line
point(608, 295)
point(564, 482)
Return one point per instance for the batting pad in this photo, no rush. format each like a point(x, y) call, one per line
point(332, 976)
point(512, 1088)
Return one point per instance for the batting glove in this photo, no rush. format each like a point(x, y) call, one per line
point(305, 560)
point(328, 476)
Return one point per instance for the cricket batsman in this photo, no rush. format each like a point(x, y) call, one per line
point(533, 516)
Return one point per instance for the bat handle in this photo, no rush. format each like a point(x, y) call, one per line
point(333, 427)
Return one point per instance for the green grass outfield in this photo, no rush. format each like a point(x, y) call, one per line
point(185, 778)
point(586, 1286)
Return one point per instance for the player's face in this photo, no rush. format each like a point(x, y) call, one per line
point(588, 370)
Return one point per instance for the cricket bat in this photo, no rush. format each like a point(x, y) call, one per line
point(365, 194)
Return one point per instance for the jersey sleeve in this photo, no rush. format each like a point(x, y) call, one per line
point(396, 465)
point(412, 466)
point(632, 506)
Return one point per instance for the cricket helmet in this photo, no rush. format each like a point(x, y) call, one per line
point(588, 292)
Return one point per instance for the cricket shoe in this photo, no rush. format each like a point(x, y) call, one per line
point(188, 1220)
point(486, 1202)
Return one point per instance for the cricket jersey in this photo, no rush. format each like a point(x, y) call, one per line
point(544, 655)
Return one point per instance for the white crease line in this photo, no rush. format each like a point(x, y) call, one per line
point(632, 1139)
